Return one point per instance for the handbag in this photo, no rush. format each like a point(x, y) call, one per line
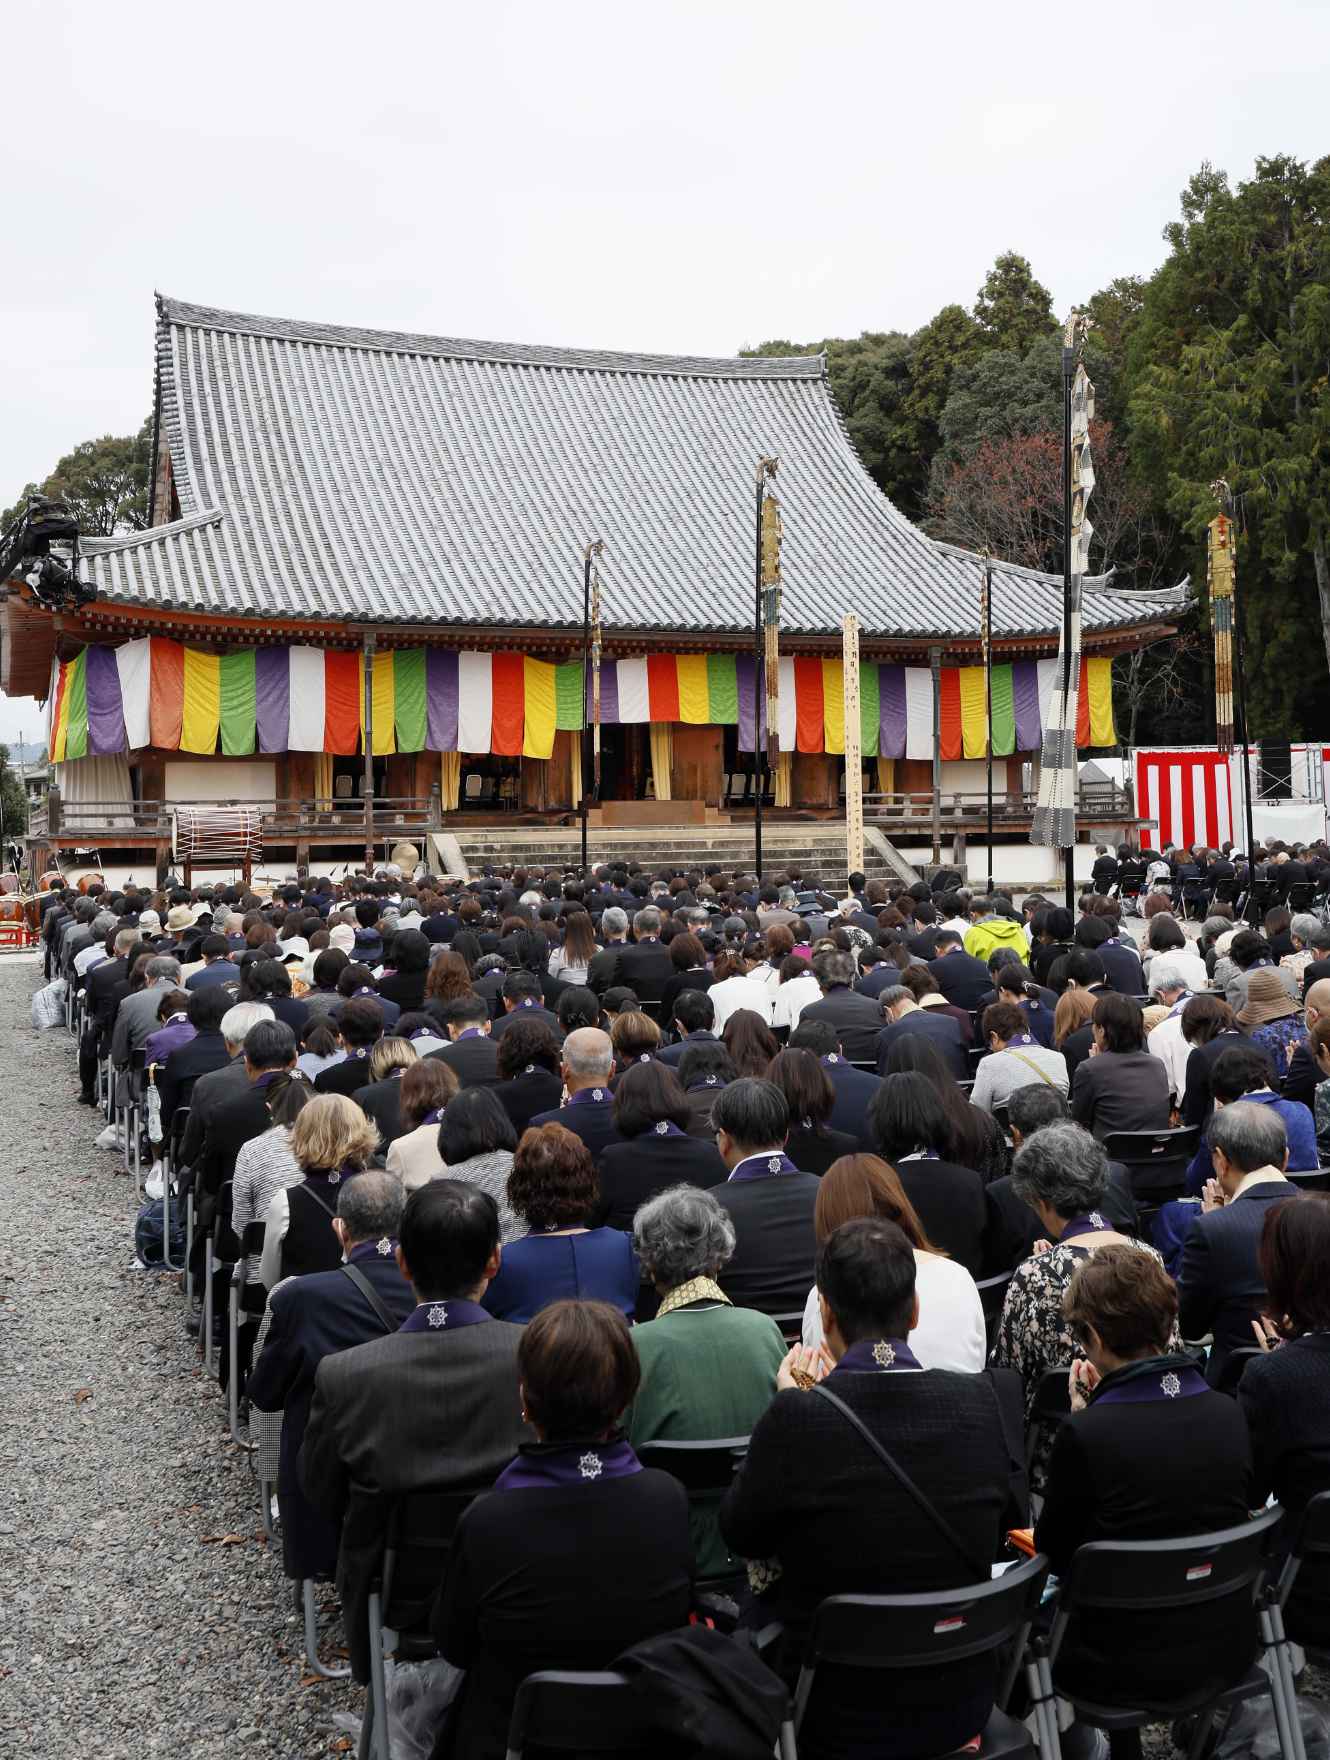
point(371, 1295)
point(979, 1572)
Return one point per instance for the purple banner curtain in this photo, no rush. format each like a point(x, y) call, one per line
point(891, 712)
point(272, 697)
point(106, 718)
point(745, 671)
point(1025, 703)
point(441, 700)
point(609, 694)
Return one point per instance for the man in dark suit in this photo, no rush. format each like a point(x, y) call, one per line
point(313, 1316)
point(961, 978)
point(614, 929)
point(854, 1088)
point(434, 1406)
point(644, 963)
point(359, 1023)
point(522, 994)
point(206, 1051)
point(1220, 1287)
point(227, 1082)
point(270, 1051)
point(217, 968)
point(811, 1491)
point(857, 1020)
point(694, 1014)
point(769, 1200)
point(1122, 963)
point(904, 1017)
point(878, 972)
point(471, 1053)
point(586, 1067)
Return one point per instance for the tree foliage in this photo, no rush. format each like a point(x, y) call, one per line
point(13, 799)
point(1012, 309)
point(104, 481)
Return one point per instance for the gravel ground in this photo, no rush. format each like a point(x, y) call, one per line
point(128, 1628)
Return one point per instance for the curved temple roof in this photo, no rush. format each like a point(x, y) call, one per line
point(364, 475)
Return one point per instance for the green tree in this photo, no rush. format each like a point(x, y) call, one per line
point(104, 481)
point(1012, 309)
point(1228, 364)
point(13, 800)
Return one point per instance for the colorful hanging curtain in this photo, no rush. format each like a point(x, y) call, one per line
point(160, 693)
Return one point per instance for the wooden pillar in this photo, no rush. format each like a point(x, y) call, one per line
point(367, 741)
point(697, 764)
point(814, 782)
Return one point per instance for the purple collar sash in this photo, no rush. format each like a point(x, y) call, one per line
point(1093, 1222)
point(421, 1033)
point(384, 1248)
point(544, 1464)
point(469, 1033)
point(1155, 1380)
point(665, 1127)
point(591, 1097)
point(878, 1356)
point(359, 1053)
point(1020, 1039)
point(444, 1316)
point(268, 1077)
point(433, 1117)
point(704, 1082)
point(769, 1166)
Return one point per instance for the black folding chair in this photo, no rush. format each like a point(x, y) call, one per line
point(1051, 1404)
point(706, 1471)
point(791, 1325)
point(417, 1541)
point(1303, 1591)
point(560, 1712)
point(1128, 1578)
point(923, 1634)
point(250, 1299)
point(993, 1293)
point(1235, 1366)
point(1156, 1161)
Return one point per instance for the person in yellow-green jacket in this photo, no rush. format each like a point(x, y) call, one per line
point(990, 930)
point(708, 1368)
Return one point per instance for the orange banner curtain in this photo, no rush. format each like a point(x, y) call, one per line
point(810, 712)
point(166, 701)
point(341, 702)
point(508, 705)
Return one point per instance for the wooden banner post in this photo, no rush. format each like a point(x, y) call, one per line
point(854, 767)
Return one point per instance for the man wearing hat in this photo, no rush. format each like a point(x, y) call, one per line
point(1272, 1020)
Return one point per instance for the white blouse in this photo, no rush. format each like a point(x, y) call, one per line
point(950, 1333)
point(732, 994)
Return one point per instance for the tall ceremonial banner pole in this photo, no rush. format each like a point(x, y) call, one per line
point(369, 754)
point(590, 690)
point(1054, 822)
point(766, 643)
point(1223, 570)
point(854, 765)
point(986, 629)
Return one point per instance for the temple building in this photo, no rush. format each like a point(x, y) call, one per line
point(361, 538)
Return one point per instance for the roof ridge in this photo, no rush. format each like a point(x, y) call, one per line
point(210, 516)
point(186, 315)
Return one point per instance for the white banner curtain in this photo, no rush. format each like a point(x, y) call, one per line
point(101, 782)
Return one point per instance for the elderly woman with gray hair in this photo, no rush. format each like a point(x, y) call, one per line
point(1061, 1172)
point(708, 1368)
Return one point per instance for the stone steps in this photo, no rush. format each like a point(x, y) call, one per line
point(818, 851)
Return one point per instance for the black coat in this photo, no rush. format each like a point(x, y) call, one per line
point(693, 980)
point(209, 1094)
point(184, 1066)
point(475, 1062)
point(961, 978)
point(814, 1150)
point(412, 1411)
point(1303, 1076)
point(524, 1095)
point(591, 1120)
point(1148, 1471)
point(1198, 1101)
point(857, 1021)
point(559, 1577)
point(310, 1318)
point(504, 1021)
point(1121, 1091)
point(236, 1121)
point(1122, 966)
point(1220, 1287)
point(942, 1030)
point(406, 989)
point(813, 1495)
point(671, 1054)
point(951, 1205)
point(1013, 1228)
point(347, 1077)
point(646, 967)
point(772, 1265)
point(381, 1102)
point(855, 1089)
point(639, 1167)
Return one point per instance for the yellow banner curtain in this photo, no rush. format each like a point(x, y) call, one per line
point(662, 757)
point(886, 775)
point(450, 780)
point(784, 790)
point(202, 711)
point(575, 768)
point(323, 784)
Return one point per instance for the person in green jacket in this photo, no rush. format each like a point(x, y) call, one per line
point(708, 1368)
point(990, 930)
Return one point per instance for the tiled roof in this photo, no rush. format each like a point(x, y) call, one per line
point(363, 475)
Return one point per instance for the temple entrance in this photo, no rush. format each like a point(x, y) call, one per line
point(625, 762)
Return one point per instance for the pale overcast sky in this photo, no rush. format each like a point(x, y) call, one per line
point(684, 177)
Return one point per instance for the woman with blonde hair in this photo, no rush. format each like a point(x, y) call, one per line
point(950, 1331)
point(381, 1099)
point(331, 1140)
point(1073, 1032)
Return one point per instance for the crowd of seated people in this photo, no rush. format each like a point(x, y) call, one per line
point(553, 1172)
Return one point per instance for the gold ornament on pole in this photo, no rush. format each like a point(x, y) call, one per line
point(1221, 569)
point(771, 603)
